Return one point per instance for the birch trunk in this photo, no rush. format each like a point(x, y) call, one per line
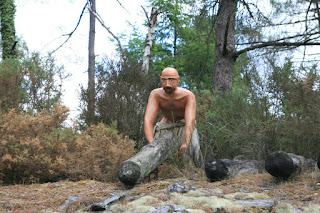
point(149, 39)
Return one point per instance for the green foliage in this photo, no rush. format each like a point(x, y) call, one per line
point(7, 12)
point(122, 92)
point(258, 117)
point(32, 83)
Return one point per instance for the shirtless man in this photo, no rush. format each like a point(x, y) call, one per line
point(176, 104)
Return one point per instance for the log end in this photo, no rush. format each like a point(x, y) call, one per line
point(280, 165)
point(216, 170)
point(129, 173)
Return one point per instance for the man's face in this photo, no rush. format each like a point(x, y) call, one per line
point(169, 83)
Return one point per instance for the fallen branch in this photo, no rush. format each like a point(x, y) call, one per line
point(217, 170)
point(148, 159)
point(282, 165)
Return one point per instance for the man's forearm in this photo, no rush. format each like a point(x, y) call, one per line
point(148, 131)
point(188, 133)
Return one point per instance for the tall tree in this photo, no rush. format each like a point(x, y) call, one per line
point(255, 22)
point(91, 66)
point(152, 21)
point(7, 12)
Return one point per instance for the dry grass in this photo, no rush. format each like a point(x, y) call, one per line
point(300, 191)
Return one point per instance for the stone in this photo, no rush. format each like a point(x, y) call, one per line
point(69, 199)
point(101, 206)
point(168, 208)
point(179, 187)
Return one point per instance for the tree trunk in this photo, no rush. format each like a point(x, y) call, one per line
point(8, 31)
point(91, 66)
point(149, 158)
point(221, 169)
point(282, 165)
point(149, 39)
point(224, 59)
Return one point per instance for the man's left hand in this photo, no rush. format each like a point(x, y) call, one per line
point(183, 148)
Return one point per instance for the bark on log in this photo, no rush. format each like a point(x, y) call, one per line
point(221, 169)
point(282, 165)
point(149, 158)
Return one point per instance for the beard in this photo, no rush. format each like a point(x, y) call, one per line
point(169, 90)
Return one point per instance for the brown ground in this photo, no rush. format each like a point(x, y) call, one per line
point(300, 191)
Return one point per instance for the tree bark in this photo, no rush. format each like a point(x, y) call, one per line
point(282, 165)
point(91, 66)
point(148, 159)
point(147, 50)
point(224, 59)
point(221, 169)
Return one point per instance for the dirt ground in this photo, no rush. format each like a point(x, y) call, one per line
point(301, 191)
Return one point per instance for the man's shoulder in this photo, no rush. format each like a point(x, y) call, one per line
point(185, 91)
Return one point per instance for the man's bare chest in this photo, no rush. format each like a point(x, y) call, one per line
point(173, 105)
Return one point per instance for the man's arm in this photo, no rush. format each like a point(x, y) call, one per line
point(150, 115)
point(190, 118)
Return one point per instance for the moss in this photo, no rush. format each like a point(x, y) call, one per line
point(312, 209)
point(285, 208)
point(203, 203)
point(145, 201)
point(246, 196)
point(220, 203)
point(195, 193)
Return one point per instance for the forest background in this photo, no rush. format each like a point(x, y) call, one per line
point(253, 67)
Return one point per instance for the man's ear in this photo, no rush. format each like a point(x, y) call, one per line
point(178, 79)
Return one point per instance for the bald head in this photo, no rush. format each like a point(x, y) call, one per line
point(169, 71)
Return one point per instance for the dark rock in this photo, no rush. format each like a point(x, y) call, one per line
point(101, 206)
point(318, 162)
point(180, 188)
point(216, 170)
point(280, 165)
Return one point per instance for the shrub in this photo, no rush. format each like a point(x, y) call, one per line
point(99, 152)
point(33, 148)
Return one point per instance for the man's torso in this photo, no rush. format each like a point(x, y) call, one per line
point(173, 106)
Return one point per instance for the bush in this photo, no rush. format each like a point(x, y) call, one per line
point(39, 149)
point(99, 152)
point(33, 148)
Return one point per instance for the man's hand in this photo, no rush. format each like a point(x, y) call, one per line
point(183, 148)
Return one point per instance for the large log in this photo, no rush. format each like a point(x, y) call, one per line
point(282, 165)
point(148, 159)
point(224, 168)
